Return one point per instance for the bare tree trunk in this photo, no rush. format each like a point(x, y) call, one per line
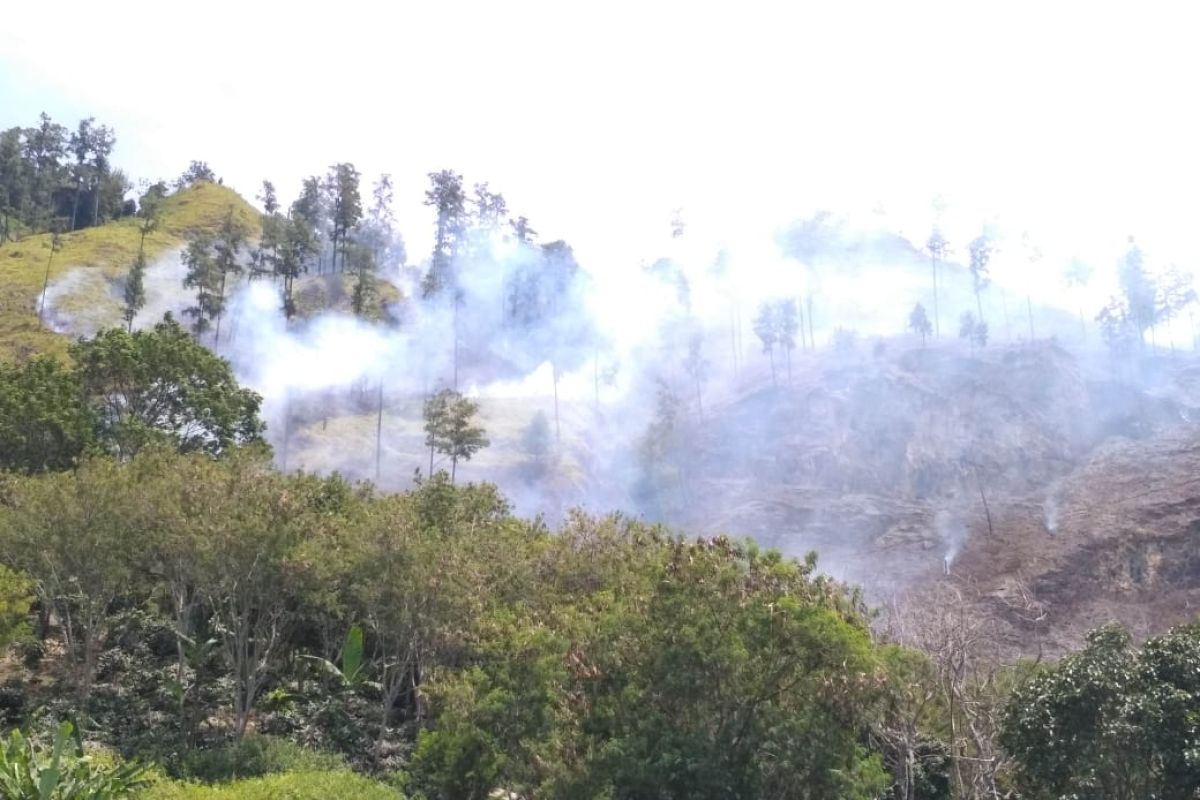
point(937, 325)
point(45, 286)
point(812, 339)
point(771, 353)
point(557, 429)
point(379, 433)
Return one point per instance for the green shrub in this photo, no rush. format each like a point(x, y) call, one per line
point(289, 786)
point(255, 756)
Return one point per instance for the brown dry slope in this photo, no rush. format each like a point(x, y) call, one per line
point(882, 463)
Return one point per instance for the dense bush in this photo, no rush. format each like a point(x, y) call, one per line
point(290, 786)
point(255, 756)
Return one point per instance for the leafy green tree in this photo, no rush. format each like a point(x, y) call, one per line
point(265, 258)
point(160, 385)
point(149, 214)
point(135, 290)
point(298, 247)
point(446, 196)
point(205, 277)
point(15, 176)
point(1110, 721)
point(363, 265)
point(44, 148)
point(45, 425)
point(538, 445)
point(16, 600)
point(344, 204)
point(76, 535)
point(451, 429)
point(226, 257)
point(197, 171)
point(918, 322)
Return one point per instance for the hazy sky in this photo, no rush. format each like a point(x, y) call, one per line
point(1076, 120)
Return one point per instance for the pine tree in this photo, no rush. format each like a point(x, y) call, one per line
point(203, 276)
point(696, 366)
point(938, 249)
point(787, 323)
point(918, 322)
point(226, 249)
point(345, 206)
point(981, 254)
point(135, 289)
point(445, 195)
point(767, 330)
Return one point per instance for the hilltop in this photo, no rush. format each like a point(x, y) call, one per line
point(100, 257)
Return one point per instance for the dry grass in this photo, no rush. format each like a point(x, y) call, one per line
point(105, 252)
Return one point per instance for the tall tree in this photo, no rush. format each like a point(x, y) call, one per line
point(446, 196)
point(918, 322)
point(158, 385)
point(938, 248)
point(1077, 277)
point(135, 290)
point(203, 276)
point(981, 250)
point(345, 206)
point(787, 322)
point(766, 328)
point(55, 244)
point(265, 258)
point(298, 245)
point(696, 367)
point(451, 428)
point(227, 261)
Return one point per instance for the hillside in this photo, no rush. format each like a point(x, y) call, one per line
point(99, 259)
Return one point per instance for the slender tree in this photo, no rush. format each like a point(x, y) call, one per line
point(938, 249)
point(56, 244)
point(226, 250)
point(696, 367)
point(918, 322)
point(766, 328)
point(203, 276)
point(787, 323)
point(981, 250)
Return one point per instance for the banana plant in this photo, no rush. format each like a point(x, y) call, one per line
point(28, 772)
point(352, 671)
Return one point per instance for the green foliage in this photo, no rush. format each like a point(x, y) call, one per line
point(1110, 721)
point(255, 756)
point(159, 385)
point(450, 427)
point(29, 771)
point(16, 597)
point(44, 422)
point(311, 785)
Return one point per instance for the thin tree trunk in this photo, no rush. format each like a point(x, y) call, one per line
point(75, 205)
point(453, 467)
point(771, 353)
point(557, 428)
point(1029, 306)
point(937, 325)
point(800, 312)
point(379, 433)
point(979, 307)
point(45, 286)
point(811, 336)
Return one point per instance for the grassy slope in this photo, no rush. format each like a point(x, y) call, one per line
point(108, 250)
